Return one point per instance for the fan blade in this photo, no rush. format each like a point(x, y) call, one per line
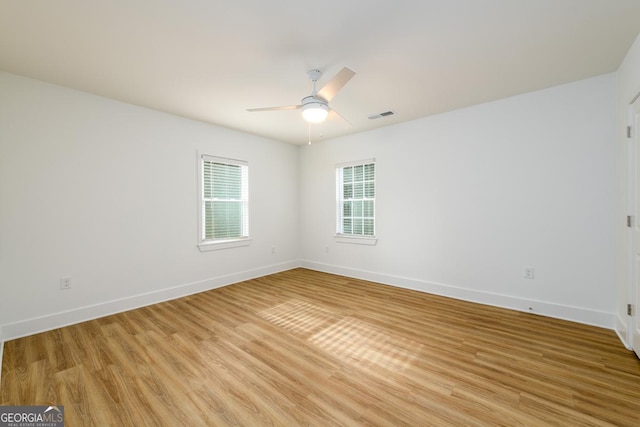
point(334, 114)
point(287, 107)
point(338, 81)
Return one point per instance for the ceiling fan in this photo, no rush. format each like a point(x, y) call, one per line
point(315, 107)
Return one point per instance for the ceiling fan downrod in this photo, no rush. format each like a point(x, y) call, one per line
point(314, 75)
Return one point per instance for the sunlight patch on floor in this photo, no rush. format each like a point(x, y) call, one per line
point(298, 317)
point(362, 343)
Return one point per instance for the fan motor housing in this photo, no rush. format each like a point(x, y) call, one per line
point(313, 99)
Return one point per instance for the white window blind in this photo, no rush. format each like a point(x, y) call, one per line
point(355, 195)
point(225, 199)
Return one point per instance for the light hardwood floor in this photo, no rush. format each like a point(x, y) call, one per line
point(308, 348)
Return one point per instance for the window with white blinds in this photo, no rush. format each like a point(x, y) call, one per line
point(356, 199)
point(224, 207)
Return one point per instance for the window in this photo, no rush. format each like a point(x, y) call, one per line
point(224, 203)
point(355, 195)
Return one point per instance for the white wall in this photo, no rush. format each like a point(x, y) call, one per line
point(106, 193)
point(628, 78)
point(467, 198)
point(529, 180)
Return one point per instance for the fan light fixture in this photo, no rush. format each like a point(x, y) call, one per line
point(315, 107)
point(315, 112)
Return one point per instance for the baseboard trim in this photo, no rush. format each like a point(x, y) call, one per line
point(82, 314)
point(623, 332)
point(558, 311)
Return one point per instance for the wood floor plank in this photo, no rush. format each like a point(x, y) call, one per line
point(308, 348)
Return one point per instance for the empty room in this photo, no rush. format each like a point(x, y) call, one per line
point(249, 213)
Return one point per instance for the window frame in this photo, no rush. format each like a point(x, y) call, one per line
point(341, 236)
point(222, 243)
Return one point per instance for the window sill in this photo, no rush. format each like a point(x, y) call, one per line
point(356, 240)
point(223, 244)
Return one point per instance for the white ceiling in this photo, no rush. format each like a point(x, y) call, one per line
point(211, 60)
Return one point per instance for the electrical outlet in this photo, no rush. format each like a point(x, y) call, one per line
point(65, 283)
point(528, 273)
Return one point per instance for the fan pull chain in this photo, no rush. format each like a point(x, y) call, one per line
point(309, 126)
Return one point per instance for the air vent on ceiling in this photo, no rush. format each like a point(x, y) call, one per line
point(384, 114)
